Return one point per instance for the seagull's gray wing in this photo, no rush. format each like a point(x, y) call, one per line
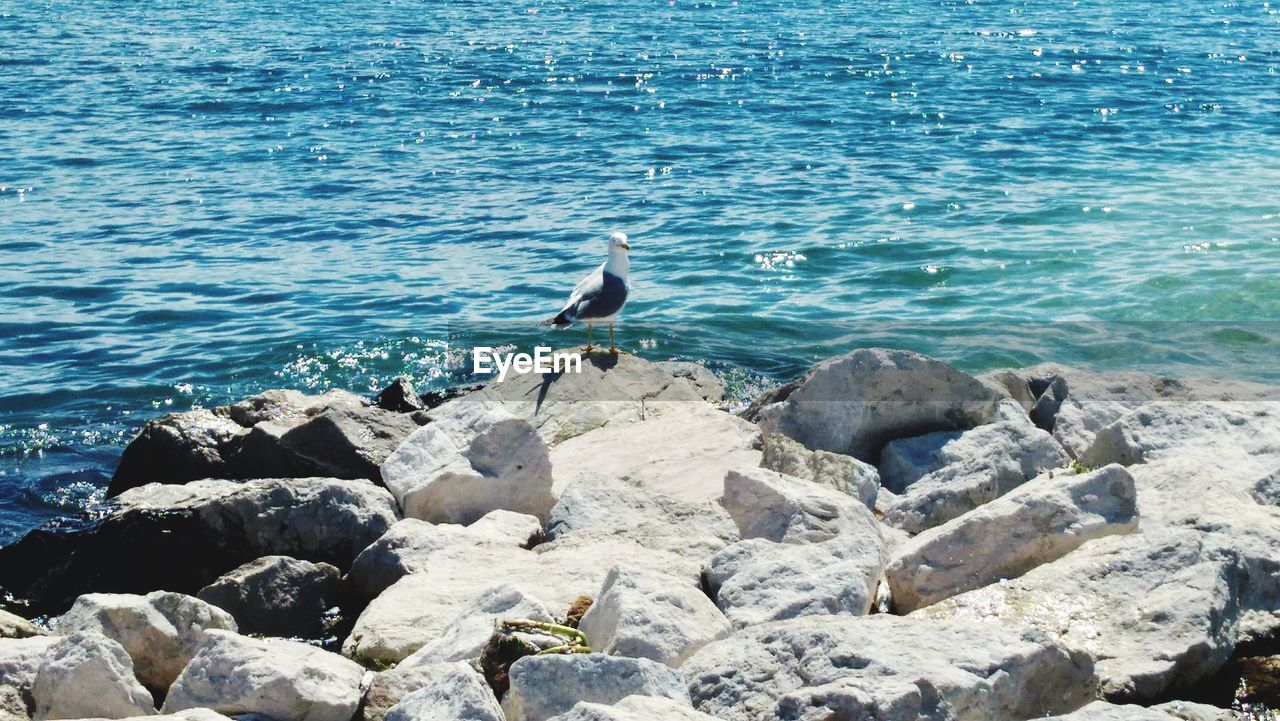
point(580, 299)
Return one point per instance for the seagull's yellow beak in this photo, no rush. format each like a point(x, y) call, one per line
point(624, 245)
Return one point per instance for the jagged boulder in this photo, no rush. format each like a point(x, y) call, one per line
point(20, 659)
point(843, 473)
point(886, 667)
point(87, 675)
point(704, 381)
point(464, 637)
point(634, 708)
point(15, 626)
point(855, 403)
point(160, 631)
point(274, 678)
point(544, 686)
point(1038, 522)
point(182, 537)
point(1103, 711)
point(278, 433)
point(276, 595)
point(451, 692)
point(643, 614)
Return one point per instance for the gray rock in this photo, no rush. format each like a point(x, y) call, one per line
point(276, 595)
point(385, 689)
point(756, 580)
point(12, 705)
point(160, 631)
point(634, 708)
point(942, 476)
point(642, 614)
point(468, 463)
point(1039, 522)
point(464, 637)
point(1156, 610)
point(843, 473)
point(699, 444)
point(889, 668)
point(1103, 711)
point(546, 685)
point(277, 433)
point(1196, 711)
point(703, 380)
point(616, 508)
point(15, 626)
point(87, 675)
point(784, 509)
point(1163, 428)
point(399, 397)
point(278, 679)
point(317, 519)
point(855, 403)
point(408, 545)
point(20, 659)
point(453, 692)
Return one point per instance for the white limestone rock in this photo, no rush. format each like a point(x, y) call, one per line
point(160, 631)
point(784, 509)
point(843, 473)
point(1038, 522)
point(634, 708)
point(889, 668)
point(642, 614)
point(464, 637)
point(274, 678)
point(20, 659)
point(14, 626)
point(452, 692)
point(547, 685)
point(87, 675)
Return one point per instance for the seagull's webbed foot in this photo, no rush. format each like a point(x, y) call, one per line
point(588, 348)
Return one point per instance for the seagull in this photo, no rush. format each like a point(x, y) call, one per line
point(599, 297)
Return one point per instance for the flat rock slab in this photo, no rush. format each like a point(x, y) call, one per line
point(1038, 522)
point(1156, 610)
point(856, 403)
point(889, 668)
point(634, 708)
point(1103, 711)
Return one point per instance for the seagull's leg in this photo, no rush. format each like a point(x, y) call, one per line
point(588, 346)
point(612, 348)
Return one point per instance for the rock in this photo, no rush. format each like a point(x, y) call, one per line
point(1038, 522)
point(1075, 404)
point(942, 476)
point(610, 390)
point(385, 689)
point(1103, 711)
point(1195, 711)
point(465, 636)
point(641, 614)
point(1260, 679)
point(453, 692)
point(87, 675)
point(413, 612)
point(889, 668)
point(20, 659)
point(399, 397)
point(784, 509)
point(1156, 610)
point(756, 580)
point(1156, 429)
point(703, 380)
point(12, 705)
point(625, 509)
point(843, 473)
point(855, 403)
point(409, 544)
point(634, 708)
point(699, 445)
point(160, 631)
point(276, 433)
point(274, 678)
point(15, 626)
point(276, 595)
point(461, 467)
point(182, 537)
point(547, 685)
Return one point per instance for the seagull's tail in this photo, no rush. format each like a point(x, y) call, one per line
point(563, 320)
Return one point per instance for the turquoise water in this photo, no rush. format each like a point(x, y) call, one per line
point(198, 200)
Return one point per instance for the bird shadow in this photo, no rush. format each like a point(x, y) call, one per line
point(603, 360)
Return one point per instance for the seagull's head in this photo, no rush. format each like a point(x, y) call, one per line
point(619, 241)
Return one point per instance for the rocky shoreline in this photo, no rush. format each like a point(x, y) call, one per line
point(885, 538)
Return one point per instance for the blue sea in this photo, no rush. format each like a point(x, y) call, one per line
point(201, 200)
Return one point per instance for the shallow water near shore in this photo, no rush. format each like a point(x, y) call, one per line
point(198, 202)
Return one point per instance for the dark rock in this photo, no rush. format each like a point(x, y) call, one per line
point(276, 595)
point(399, 397)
